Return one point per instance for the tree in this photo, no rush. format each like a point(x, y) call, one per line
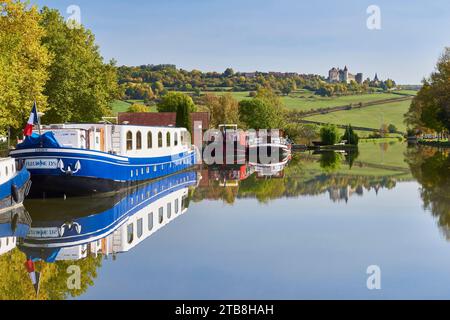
point(222, 109)
point(137, 107)
point(172, 100)
point(228, 73)
point(23, 63)
point(183, 119)
point(258, 114)
point(392, 128)
point(430, 108)
point(81, 86)
point(350, 136)
point(329, 134)
point(158, 87)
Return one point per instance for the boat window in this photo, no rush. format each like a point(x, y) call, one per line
point(129, 140)
point(160, 140)
point(149, 140)
point(176, 206)
point(150, 221)
point(168, 139)
point(6, 171)
point(169, 210)
point(138, 140)
point(139, 228)
point(130, 233)
point(176, 139)
point(161, 215)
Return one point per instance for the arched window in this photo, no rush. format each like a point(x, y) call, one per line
point(149, 140)
point(139, 140)
point(168, 139)
point(160, 140)
point(129, 140)
point(175, 139)
point(130, 233)
point(140, 229)
point(169, 210)
point(150, 221)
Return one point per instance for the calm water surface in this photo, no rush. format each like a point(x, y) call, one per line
point(306, 231)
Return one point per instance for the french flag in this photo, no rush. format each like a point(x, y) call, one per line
point(34, 119)
point(34, 276)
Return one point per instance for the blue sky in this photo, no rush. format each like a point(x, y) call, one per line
point(270, 35)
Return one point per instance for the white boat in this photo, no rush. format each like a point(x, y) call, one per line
point(82, 159)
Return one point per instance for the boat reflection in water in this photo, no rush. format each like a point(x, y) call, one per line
point(14, 225)
point(231, 175)
point(131, 218)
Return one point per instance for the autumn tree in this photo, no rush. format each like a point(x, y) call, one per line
point(23, 63)
point(137, 107)
point(81, 86)
point(258, 114)
point(222, 109)
point(172, 100)
point(430, 109)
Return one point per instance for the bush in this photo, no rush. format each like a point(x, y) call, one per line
point(137, 107)
point(350, 135)
point(392, 128)
point(329, 135)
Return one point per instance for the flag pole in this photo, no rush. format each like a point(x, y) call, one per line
point(39, 118)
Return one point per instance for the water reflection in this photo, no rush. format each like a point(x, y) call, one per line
point(431, 168)
point(83, 232)
point(14, 225)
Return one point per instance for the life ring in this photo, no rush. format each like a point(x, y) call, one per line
point(15, 194)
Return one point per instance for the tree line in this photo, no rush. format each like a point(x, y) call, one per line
point(430, 109)
point(44, 59)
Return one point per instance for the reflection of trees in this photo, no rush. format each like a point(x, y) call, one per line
point(431, 168)
point(330, 161)
point(299, 179)
point(15, 283)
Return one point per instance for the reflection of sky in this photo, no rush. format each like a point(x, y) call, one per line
point(307, 247)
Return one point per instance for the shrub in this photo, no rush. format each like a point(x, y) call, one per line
point(350, 136)
point(392, 128)
point(329, 134)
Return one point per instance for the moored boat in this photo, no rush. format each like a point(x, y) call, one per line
point(14, 183)
point(83, 159)
point(268, 143)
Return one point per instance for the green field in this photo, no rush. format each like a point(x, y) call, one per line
point(119, 106)
point(369, 117)
point(407, 92)
point(305, 100)
point(122, 106)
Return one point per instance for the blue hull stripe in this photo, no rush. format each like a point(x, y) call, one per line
point(100, 165)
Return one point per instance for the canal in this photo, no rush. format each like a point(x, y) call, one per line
point(370, 225)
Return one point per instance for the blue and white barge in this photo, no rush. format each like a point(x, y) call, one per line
point(84, 159)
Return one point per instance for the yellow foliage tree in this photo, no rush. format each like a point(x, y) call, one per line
point(23, 63)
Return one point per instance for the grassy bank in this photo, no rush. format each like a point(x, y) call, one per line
point(369, 117)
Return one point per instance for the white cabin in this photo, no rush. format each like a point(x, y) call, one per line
point(124, 140)
point(7, 169)
point(149, 220)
